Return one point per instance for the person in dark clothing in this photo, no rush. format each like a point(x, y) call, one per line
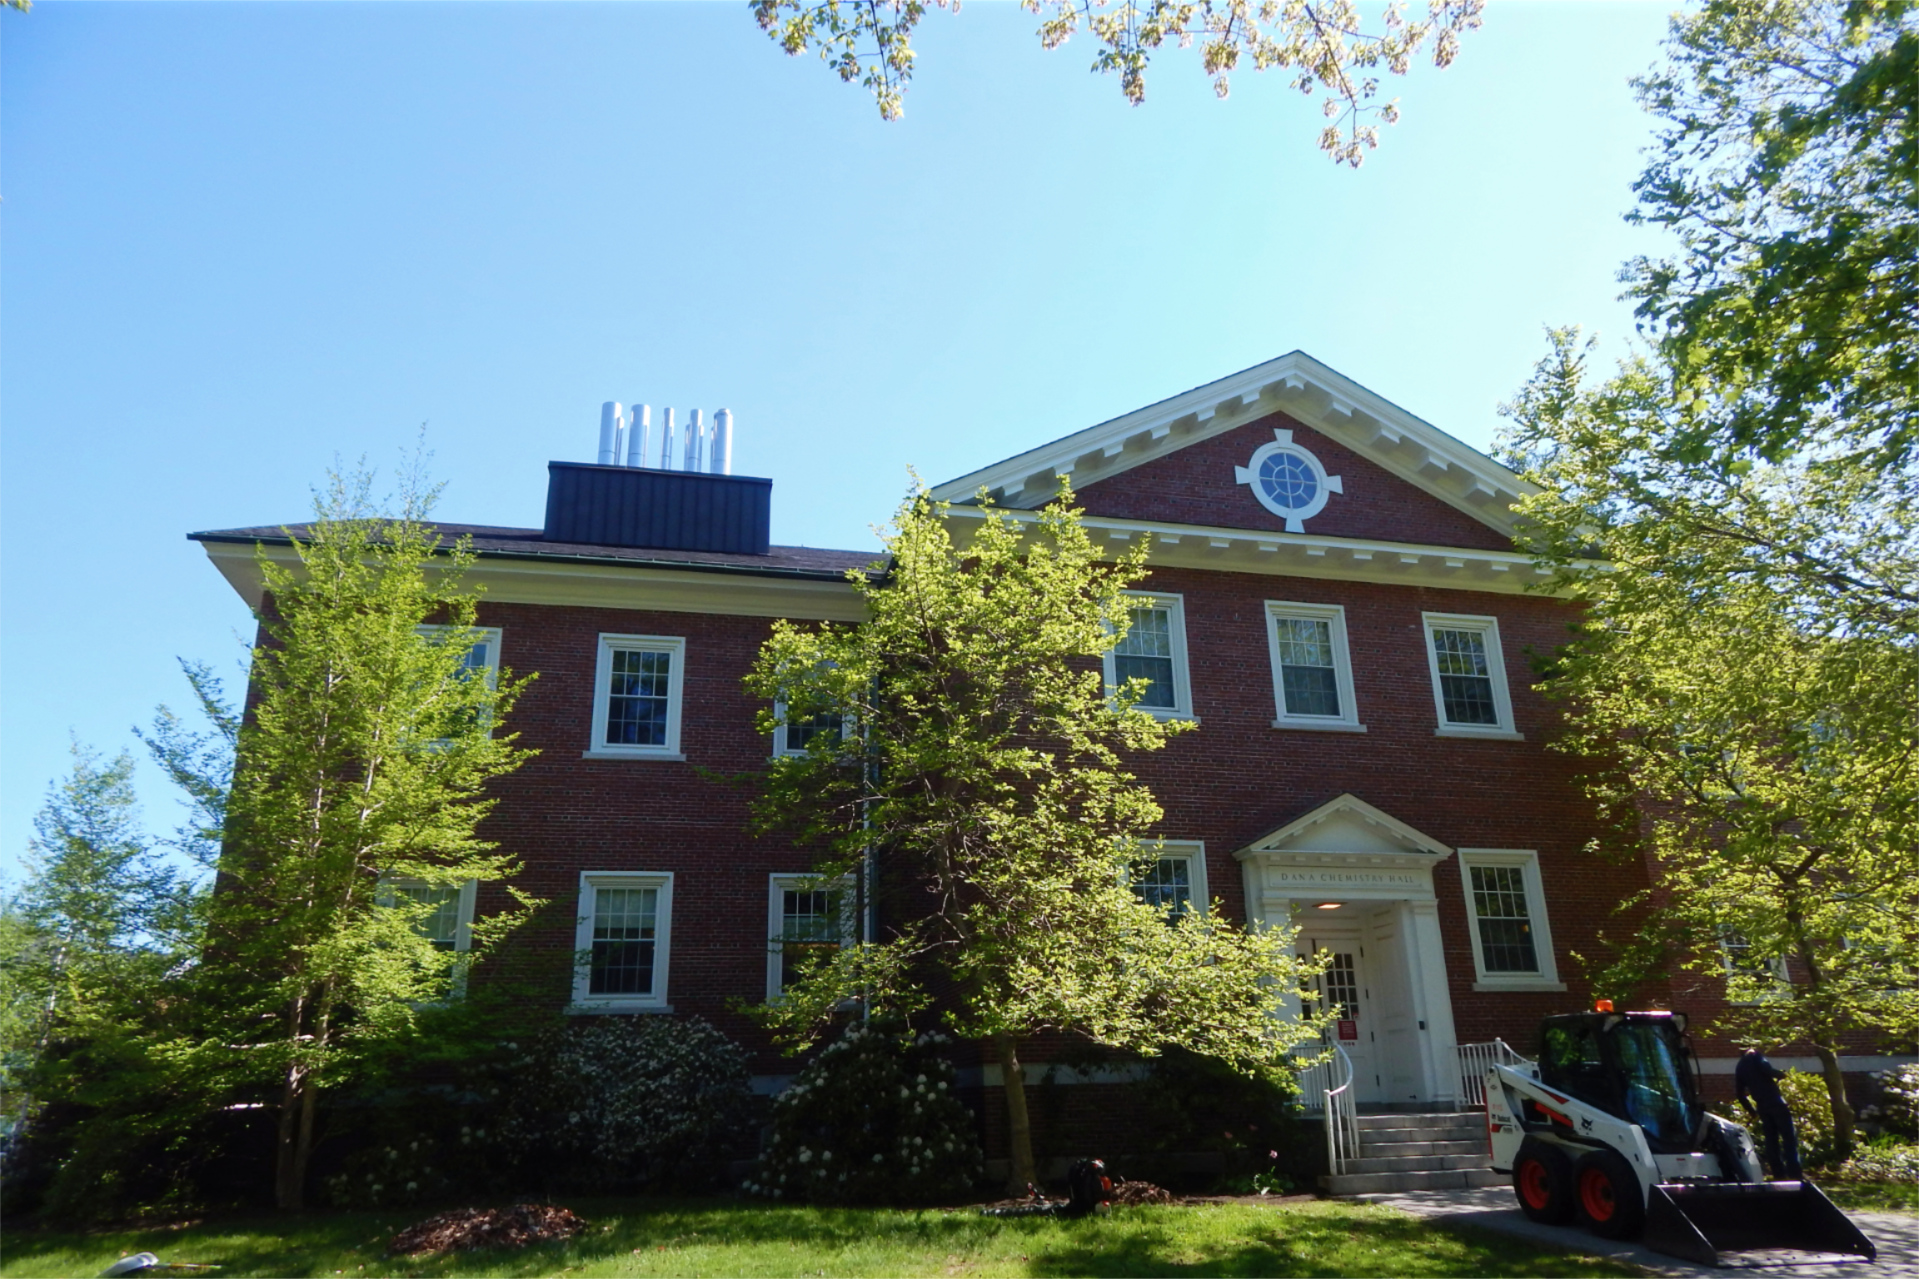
point(1757, 1082)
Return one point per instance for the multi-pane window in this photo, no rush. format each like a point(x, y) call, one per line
point(638, 694)
point(622, 940)
point(798, 734)
point(1505, 923)
point(441, 922)
point(1506, 918)
point(625, 931)
point(810, 929)
point(1308, 676)
point(637, 700)
point(1153, 651)
point(1312, 677)
point(1147, 654)
point(1465, 678)
point(1339, 984)
point(1168, 885)
point(809, 918)
point(1469, 675)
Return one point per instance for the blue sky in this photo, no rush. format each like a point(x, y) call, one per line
point(239, 240)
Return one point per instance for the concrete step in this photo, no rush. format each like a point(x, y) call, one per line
point(1403, 1136)
point(1393, 1149)
point(1382, 1183)
point(1420, 1119)
point(1420, 1163)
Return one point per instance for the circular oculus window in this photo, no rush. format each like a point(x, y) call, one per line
point(1288, 480)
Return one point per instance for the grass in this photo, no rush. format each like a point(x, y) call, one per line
point(1874, 1196)
point(713, 1237)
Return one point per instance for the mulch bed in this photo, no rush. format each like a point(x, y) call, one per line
point(468, 1228)
point(1131, 1193)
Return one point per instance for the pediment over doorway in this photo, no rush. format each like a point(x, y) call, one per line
point(1344, 850)
point(1347, 825)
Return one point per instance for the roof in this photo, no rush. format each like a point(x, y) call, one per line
point(493, 542)
point(1330, 402)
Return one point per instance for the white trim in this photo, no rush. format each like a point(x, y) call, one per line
point(584, 1000)
point(1547, 977)
point(488, 635)
point(597, 746)
point(1324, 485)
point(777, 885)
point(1313, 555)
point(1175, 606)
point(1311, 392)
point(1488, 628)
point(780, 749)
point(1193, 853)
point(463, 910)
point(1348, 718)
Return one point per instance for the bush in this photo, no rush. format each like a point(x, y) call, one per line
point(1247, 1126)
point(607, 1103)
point(1897, 1110)
point(873, 1119)
point(1882, 1160)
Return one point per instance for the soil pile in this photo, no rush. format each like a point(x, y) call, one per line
point(468, 1228)
point(1133, 1193)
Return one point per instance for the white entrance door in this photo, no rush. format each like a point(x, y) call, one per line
point(1395, 1027)
point(1346, 993)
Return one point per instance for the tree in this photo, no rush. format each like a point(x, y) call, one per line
point(361, 778)
point(1787, 165)
point(101, 914)
point(977, 795)
point(1745, 685)
point(1324, 44)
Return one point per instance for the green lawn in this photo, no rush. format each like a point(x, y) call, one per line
point(1874, 1196)
point(710, 1237)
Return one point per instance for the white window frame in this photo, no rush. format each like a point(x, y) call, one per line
point(1547, 978)
point(1175, 606)
point(781, 749)
point(598, 748)
point(1347, 721)
point(777, 885)
point(584, 1000)
point(1193, 853)
point(469, 891)
point(1776, 966)
point(489, 634)
point(1495, 668)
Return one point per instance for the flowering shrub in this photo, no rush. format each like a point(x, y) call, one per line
point(872, 1119)
point(1897, 1110)
point(627, 1101)
point(1882, 1160)
point(407, 1170)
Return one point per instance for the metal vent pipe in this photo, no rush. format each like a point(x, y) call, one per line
point(722, 456)
point(639, 432)
point(609, 432)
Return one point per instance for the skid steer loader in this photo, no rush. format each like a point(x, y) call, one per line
point(1608, 1128)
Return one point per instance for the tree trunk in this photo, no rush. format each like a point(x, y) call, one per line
point(1019, 1129)
point(1842, 1116)
point(289, 1171)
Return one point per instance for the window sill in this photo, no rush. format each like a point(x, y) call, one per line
point(664, 757)
point(1485, 734)
point(613, 1006)
point(1518, 984)
point(1161, 712)
point(1319, 726)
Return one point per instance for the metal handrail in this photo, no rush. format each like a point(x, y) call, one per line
point(1474, 1059)
point(1341, 1116)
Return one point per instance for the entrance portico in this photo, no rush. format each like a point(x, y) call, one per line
point(1359, 883)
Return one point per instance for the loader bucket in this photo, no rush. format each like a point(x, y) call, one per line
point(1698, 1221)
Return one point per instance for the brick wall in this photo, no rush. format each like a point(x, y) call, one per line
point(1195, 486)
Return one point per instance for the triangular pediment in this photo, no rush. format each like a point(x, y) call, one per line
point(1346, 825)
point(1291, 392)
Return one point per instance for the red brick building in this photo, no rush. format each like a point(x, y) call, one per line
point(1335, 599)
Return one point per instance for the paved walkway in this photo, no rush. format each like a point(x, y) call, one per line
point(1492, 1208)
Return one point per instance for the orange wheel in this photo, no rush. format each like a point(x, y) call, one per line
point(1595, 1195)
point(1543, 1182)
point(1611, 1202)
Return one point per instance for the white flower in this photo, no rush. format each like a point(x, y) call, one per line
point(412, 1185)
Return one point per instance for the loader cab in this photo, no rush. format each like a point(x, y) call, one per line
point(1633, 1066)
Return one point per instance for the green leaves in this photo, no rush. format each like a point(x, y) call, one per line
point(984, 799)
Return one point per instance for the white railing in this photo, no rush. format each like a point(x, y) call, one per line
point(1474, 1059)
point(1326, 1090)
point(1341, 1114)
